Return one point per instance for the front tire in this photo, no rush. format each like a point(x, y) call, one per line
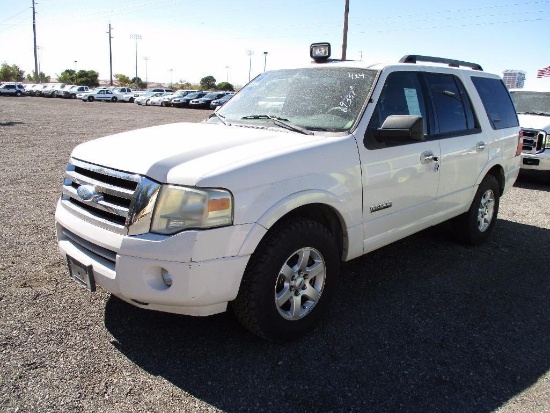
point(114, 99)
point(476, 225)
point(289, 281)
point(90, 99)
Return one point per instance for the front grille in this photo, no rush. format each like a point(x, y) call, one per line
point(118, 201)
point(533, 140)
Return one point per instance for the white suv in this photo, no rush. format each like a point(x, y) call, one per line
point(258, 206)
point(12, 89)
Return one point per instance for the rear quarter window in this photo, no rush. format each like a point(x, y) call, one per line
point(497, 102)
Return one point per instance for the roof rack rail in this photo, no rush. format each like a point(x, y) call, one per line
point(413, 58)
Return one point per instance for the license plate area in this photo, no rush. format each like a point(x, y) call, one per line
point(82, 274)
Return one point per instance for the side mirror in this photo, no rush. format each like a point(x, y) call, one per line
point(401, 128)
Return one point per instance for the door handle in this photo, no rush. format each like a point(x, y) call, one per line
point(428, 157)
point(480, 146)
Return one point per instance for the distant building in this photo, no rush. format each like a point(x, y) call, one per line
point(514, 79)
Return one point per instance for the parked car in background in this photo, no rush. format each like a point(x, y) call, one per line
point(37, 89)
point(12, 89)
point(59, 91)
point(73, 91)
point(183, 102)
point(533, 107)
point(121, 91)
point(55, 91)
point(106, 95)
point(167, 100)
point(29, 89)
point(47, 90)
point(145, 100)
point(158, 89)
point(219, 102)
point(157, 100)
point(204, 102)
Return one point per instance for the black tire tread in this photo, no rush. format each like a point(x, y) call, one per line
point(245, 306)
point(463, 224)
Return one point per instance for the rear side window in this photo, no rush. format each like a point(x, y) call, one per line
point(497, 102)
point(452, 106)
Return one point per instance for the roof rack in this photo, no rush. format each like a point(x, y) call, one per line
point(413, 58)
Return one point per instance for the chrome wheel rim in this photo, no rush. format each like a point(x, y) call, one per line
point(300, 283)
point(486, 210)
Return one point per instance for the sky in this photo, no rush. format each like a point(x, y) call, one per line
point(186, 40)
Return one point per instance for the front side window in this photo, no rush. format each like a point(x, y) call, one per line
point(452, 107)
point(497, 102)
point(317, 99)
point(401, 95)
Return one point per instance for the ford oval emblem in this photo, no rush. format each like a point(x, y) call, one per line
point(88, 193)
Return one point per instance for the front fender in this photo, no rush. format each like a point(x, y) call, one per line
point(351, 231)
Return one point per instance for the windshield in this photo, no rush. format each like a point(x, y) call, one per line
point(531, 102)
point(316, 99)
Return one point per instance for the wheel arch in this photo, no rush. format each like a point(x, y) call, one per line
point(498, 172)
point(329, 214)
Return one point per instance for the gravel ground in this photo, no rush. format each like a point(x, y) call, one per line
point(422, 325)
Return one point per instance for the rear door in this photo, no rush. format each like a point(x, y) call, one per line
point(464, 148)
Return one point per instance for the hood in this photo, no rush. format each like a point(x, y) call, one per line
point(540, 122)
point(182, 153)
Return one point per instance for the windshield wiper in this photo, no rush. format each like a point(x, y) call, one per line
point(282, 122)
point(220, 117)
point(535, 113)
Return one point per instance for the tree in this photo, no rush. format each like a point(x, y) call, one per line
point(11, 73)
point(208, 82)
point(226, 86)
point(123, 80)
point(33, 79)
point(88, 78)
point(140, 84)
point(68, 76)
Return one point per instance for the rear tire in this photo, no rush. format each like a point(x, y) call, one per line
point(90, 98)
point(289, 281)
point(476, 225)
point(114, 99)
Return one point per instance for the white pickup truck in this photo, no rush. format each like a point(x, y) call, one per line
point(258, 206)
point(533, 108)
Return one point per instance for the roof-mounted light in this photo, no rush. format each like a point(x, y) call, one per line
point(319, 51)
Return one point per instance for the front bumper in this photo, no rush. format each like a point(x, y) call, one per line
point(538, 162)
point(205, 266)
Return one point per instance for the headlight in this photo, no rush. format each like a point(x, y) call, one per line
point(547, 143)
point(179, 208)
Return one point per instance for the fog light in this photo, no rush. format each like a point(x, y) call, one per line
point(166, 277)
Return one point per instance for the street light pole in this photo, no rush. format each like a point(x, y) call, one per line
point(146, 82)
point(75, 75)
point(265, 59)
point(136, 37)
point(250, 53)
point(171, 70)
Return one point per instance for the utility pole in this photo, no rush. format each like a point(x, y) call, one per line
point(136, 37)
point(345, 39)
point(36, 72)
point(146, 82)
point(249, 53)
point(110, 56)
